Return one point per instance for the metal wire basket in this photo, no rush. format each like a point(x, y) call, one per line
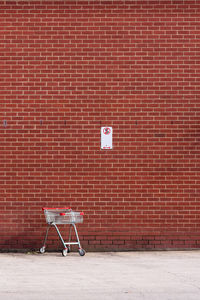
point(62, 216)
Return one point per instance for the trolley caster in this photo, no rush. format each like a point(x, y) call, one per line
point(42, 250)
point(81, 252)
point(64, 252)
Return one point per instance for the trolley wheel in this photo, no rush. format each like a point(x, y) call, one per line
point(42, 250)
point(81, 252)
point(64, 252)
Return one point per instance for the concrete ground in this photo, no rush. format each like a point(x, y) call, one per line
point(164, 275)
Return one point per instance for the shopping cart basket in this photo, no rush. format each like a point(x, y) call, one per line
point(56, 216)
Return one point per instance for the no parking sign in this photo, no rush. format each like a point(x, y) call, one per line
point(106, 138)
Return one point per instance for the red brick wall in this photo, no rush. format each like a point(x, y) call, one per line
point(70, 67)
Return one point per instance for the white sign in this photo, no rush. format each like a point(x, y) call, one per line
point(106, 137)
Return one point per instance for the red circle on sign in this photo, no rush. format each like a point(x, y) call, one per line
point(106, 130)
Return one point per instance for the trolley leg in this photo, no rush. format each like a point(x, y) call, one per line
point(60, 236)
point(77, 236)
point(46, 234)
point(70, 234)
point(80, 250)
point(42, 250)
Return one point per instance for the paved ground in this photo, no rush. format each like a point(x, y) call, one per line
point(167, 275)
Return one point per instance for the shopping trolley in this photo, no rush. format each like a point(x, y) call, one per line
point(57, 216)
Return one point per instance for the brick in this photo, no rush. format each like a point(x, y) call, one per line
point(68, 68)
